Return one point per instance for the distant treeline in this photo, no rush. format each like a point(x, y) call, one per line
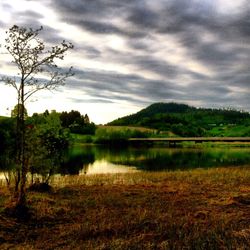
point(183, 120)
point(45, 125)
point(77, 123)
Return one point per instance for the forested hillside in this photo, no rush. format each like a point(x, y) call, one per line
point(184, 120)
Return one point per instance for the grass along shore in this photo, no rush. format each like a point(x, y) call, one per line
point(198, 209)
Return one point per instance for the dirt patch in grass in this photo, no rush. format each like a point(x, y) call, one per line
point(174, 213)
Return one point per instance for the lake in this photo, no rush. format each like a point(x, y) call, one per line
point(101, 159)
point(92, 159)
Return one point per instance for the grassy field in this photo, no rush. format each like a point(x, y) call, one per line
point(108, 134)
point(119, 128)
point(113, 133)
point(198, 209)
point(227, 131)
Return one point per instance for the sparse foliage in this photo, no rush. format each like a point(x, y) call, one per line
point(37, 70)
point(36, 65)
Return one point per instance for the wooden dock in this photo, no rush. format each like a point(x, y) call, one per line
point(173, 140)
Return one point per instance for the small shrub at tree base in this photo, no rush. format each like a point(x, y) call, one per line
point(40, 187)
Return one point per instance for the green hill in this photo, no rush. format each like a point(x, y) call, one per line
point(184, 120)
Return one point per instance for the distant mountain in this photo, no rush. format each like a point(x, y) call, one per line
point(184, 120)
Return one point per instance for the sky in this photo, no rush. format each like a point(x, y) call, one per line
point(130, 54)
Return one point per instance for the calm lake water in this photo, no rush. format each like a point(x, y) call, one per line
point(101, 159)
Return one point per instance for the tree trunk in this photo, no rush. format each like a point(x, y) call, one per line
point(17, 181)
point(24, 168)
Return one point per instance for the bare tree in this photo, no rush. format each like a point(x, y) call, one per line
point(37, 70)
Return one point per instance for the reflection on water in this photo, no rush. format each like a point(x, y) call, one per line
point(101, 159)
point(104, 167)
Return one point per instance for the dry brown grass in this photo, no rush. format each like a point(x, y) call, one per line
point(200, 209)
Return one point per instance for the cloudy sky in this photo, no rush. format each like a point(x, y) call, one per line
point(130, 54)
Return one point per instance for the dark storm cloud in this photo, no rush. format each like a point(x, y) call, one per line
point(133, 88)
point(189, 20)
point(218, 57)
point(100, 28)
point(97, 16)
point(143, 17)
point(208, 90)
point(231, 34)
point(218, 42)
point(160, 66)
point(242, 24)
point(175, 17)
point(93, 8)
